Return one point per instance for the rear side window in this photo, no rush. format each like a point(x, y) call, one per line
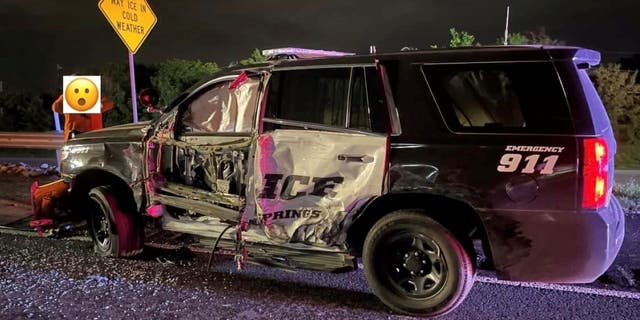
point(347, 97)
point(314, 96)
point(525, 97)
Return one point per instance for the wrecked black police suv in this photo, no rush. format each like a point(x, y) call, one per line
point(413, 163)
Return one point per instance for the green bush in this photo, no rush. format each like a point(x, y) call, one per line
point(255, 58)
point(460, 38)
point(620, 95)
point(176, 75)
point(535, 37)
point(628, 156)
point(25, 111)
point(629, 195)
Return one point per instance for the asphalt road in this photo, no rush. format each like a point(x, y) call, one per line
point(31, 161)
point(54, 279)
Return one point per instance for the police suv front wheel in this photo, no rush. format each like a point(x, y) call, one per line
point(415, 265)
point(115, 231)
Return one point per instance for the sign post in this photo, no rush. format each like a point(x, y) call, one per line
point(56, 120)
point(132, 77)
point(132, 20)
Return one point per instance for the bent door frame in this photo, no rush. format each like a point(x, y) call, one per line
point(238, 147)
point(339, 223)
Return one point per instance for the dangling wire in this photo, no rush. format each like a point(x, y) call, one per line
point(215, 245)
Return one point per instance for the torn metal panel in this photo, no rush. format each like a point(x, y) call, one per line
point(259, 247)
point(199, 194)
point(284, 257)
point(211, 227)
point(118, 133)
point(206, 166)
point(311, 182)
point(153, 155)
point(249, 210)
point(212, 163)
point(207, 226)
point(246, 97)
point(122, 159)
point(202, 207)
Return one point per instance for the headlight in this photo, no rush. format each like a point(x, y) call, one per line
point(64, 154)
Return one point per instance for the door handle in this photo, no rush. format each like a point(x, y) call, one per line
point(355, 158)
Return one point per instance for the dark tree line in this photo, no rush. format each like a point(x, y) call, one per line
point(23, 110)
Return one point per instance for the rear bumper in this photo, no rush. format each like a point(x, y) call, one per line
point(559, 247)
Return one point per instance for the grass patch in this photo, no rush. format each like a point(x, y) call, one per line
point(629, 195)
point(628, 156)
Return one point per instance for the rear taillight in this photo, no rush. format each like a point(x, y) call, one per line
point(595, 173)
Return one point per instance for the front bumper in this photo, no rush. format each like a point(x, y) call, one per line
point(557, 247)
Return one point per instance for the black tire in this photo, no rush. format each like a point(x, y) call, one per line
point(115, 232)
point(415, 266)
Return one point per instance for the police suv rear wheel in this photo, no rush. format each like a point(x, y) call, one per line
point(415, 265)
point(115, 232)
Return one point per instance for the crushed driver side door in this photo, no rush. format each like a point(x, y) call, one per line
point(321, 154)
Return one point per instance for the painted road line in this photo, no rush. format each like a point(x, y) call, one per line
point(565, 288)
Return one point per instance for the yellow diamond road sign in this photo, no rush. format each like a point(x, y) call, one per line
point(131, 19)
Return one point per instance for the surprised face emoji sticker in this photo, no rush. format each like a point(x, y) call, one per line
point(81, 95)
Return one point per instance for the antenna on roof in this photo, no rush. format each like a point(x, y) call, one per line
point(506, 27)
point(300, 53)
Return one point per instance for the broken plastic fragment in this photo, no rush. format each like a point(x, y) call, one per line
point(155, 210)
point(240, 79)
point(101, 280)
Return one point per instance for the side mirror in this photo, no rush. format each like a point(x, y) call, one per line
point(149, 98)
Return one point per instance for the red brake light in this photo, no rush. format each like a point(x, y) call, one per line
point(595, 173)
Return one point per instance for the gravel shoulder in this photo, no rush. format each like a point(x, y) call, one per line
point(51, 278)
point(147, 285)
point(45, 278)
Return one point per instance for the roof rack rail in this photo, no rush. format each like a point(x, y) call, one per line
point(300, 53)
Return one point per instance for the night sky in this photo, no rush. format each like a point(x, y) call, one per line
point(39, 34)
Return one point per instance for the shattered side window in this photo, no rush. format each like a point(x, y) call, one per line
point(211, 111)
point(221, 109)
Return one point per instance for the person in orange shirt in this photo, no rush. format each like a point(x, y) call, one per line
point(45, 197)
point(81, 122)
